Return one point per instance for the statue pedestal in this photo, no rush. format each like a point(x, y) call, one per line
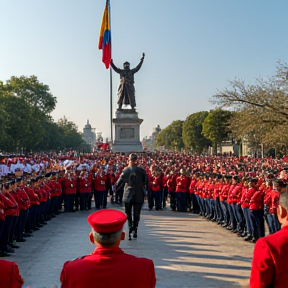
point(127, 131)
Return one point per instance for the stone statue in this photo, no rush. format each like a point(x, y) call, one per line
point(126, 90)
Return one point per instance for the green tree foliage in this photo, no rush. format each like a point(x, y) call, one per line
point(16, 122)
point(72, 137)
point(34, 93)
point(215, 126)
point(53, 138)
point(3, 115)
point(25, 123)
point(171, 136)
point(192, 132)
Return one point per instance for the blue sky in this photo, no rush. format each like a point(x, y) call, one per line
point(192, 47)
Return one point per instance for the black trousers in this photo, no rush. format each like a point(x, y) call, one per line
point(6, 231)
point(133, 217)
point(23, 216)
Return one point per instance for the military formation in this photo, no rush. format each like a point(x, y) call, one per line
point(237, 193)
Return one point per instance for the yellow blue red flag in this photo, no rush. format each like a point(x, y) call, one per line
point(105, 36)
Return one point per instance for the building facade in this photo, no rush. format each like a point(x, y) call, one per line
point(89, 135)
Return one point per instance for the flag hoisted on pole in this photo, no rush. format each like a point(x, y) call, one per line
point(105, 36)
point(105, 45)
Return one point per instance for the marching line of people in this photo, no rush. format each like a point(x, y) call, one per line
point(239, 204)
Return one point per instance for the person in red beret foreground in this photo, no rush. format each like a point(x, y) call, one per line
point(108, 266)
point(269, 263)
point(9, 275)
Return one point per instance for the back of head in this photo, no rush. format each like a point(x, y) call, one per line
point(107, 227)
point(133, 159)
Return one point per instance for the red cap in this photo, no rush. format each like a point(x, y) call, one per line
point(107, 221)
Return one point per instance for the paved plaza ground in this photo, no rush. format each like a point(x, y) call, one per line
point(187, 250)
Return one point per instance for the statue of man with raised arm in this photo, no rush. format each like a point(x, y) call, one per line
point(126, 90)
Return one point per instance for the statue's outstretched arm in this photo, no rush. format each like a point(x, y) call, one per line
point(136, 69)
point(117, 70)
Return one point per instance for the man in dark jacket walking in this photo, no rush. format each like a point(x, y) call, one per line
point(134, 179)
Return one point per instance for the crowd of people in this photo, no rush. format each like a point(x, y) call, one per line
point(238, 193)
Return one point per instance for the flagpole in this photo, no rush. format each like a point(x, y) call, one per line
point(111, 112)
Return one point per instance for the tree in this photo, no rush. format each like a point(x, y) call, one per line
point(34, 93)
point(261, 107)
point(25, 123)
point(17, 123)
point(216, 126)
point(53, 138)
point(192, 132)
point(3, 115)
point(270, 95)
point(171, 136)
point(72, 138)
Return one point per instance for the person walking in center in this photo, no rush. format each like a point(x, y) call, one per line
point(134, 179)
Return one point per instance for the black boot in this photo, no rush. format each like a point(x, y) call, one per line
point(248, 238)
point(130, 232)
point(135, 233)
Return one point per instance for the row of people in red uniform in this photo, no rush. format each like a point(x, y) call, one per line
point(80, 187)
point(25, 206)
point(26, 203)
point(240, 204)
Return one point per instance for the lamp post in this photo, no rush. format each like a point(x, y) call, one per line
point(262, 150)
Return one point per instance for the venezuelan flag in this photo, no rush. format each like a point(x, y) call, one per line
point(105, 36)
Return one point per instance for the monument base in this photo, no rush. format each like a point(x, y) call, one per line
point(127, 131)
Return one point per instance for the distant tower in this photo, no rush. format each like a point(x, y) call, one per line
point(89, 135)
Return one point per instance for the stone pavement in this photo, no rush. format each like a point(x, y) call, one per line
point(187, 250)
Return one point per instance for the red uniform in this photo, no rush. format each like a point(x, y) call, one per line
point(2, 212)
point(257, 200)
point(155, 183)
point(100, 182)
point(274, 201)
point(7, 204)
point(217, 190)
point(246, 197)
point(22, 199)
point(164, 181)
point(34, 199)
point(69, 186)
point(84, 185)
point(224, 192)
point(108, 267)
point(192, 186)
point(171, 183)
point(182, 184)
point(10, 276)
point(269, 263)
point(14, 211)
point(236, 194)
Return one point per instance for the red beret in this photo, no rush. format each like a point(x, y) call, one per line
point(107, 221)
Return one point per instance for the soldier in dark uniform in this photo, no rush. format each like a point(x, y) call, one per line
point(134, 179)
point(126, 90)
